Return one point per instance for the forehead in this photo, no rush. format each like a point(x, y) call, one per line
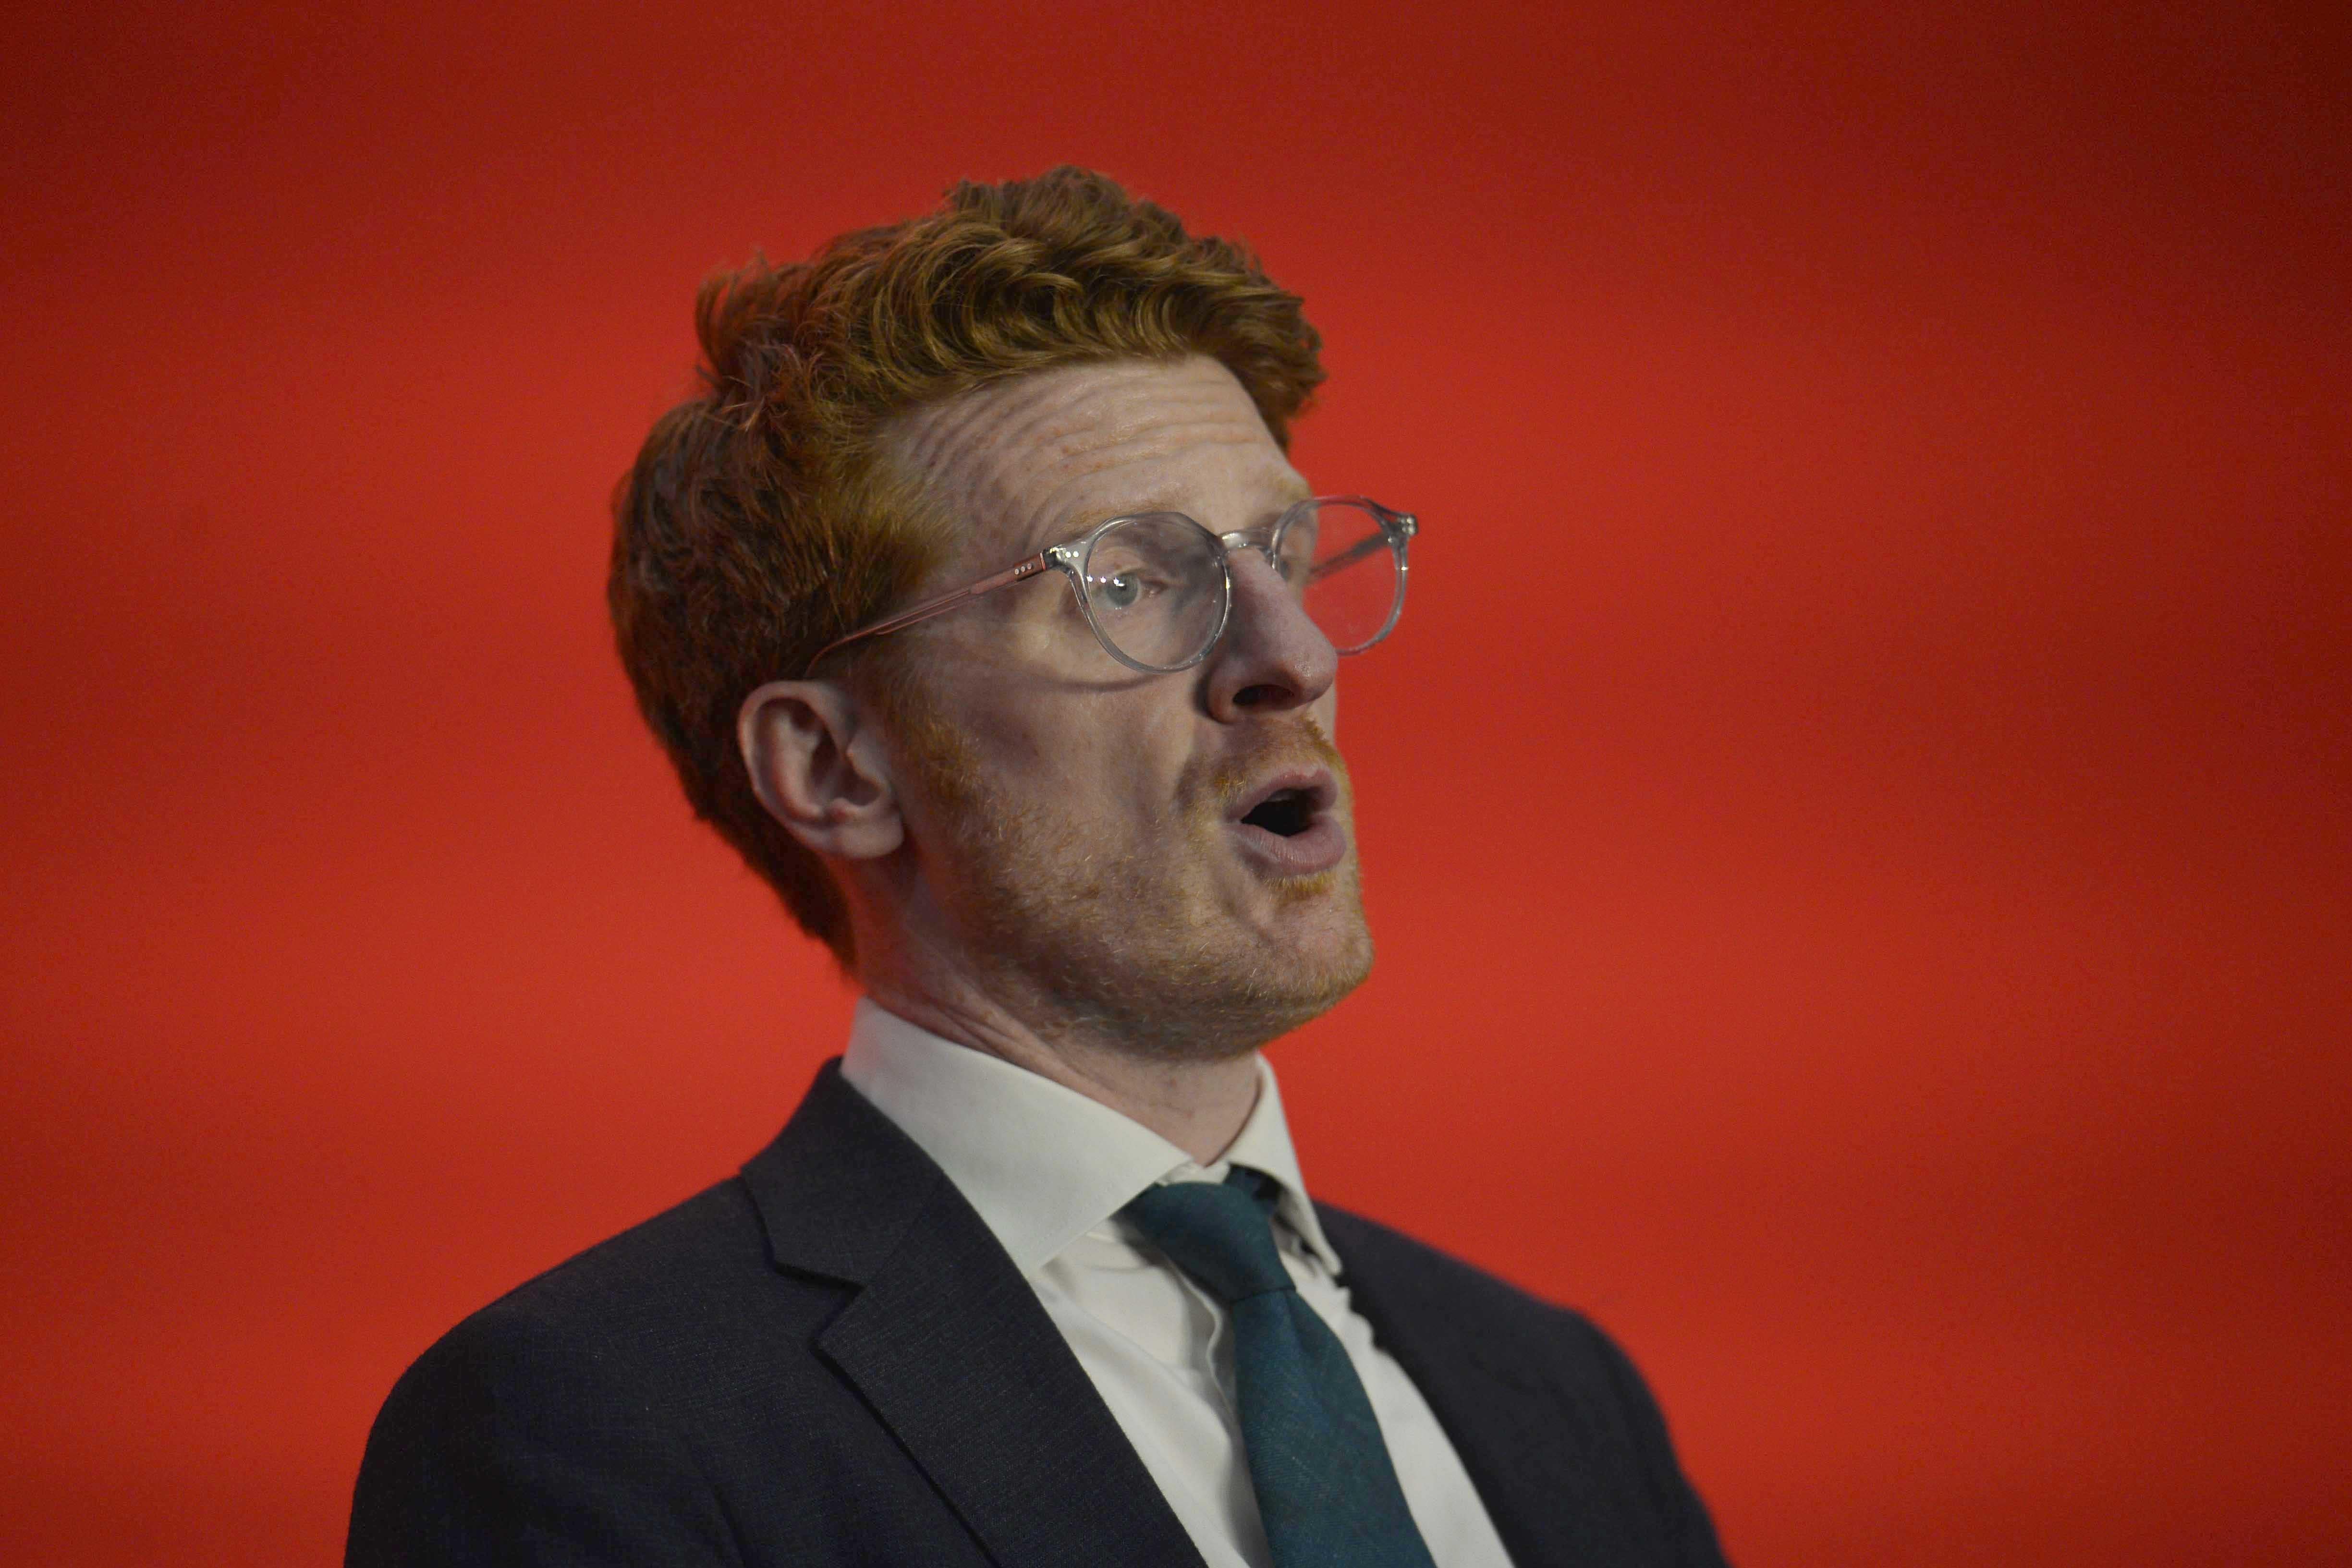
point(1032, 459)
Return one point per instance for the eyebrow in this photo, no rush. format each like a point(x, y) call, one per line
point(1093, 518)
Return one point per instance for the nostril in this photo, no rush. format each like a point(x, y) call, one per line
point(1254, 696)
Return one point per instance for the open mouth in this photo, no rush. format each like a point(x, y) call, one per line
point(1290, 826)
point(1286, 812)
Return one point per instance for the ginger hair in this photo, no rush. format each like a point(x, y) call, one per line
point(763, 521)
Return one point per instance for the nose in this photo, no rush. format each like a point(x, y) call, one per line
point(1272, 658)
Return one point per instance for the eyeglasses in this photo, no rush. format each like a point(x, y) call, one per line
point(1158, 588)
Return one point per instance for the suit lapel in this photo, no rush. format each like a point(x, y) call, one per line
point(1528, 1456)
point(949, 1345)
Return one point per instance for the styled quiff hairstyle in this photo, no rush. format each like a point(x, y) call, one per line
point(763, 521)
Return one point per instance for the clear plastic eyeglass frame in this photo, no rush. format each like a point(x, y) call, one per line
point(1396, 531)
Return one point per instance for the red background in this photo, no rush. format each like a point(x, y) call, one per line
point(1855, 814)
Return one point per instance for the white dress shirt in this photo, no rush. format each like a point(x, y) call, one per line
point(1048, 1170)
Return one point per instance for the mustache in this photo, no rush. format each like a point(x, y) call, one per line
point(1229, 778)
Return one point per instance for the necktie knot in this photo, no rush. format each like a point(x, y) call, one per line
point(1219, 1233)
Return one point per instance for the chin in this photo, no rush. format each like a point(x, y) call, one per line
point(1184, 961)
point(1318, 918)
point(1321, 937)
point(1314, 951)
point(1223, 988)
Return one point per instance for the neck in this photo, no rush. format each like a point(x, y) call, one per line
point(1197, 1105)
point(1196, 1091)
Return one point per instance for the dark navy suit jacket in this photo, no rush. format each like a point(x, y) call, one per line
point(830, 1360)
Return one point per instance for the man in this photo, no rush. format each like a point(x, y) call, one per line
point(979, 607)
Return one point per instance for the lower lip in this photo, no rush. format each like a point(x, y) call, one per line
point(1323, 845)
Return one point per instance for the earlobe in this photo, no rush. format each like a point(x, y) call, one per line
point(819, 769)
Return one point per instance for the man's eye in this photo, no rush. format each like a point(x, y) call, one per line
point(1121, 592)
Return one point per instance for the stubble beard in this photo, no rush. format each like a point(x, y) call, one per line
point(1141, 953)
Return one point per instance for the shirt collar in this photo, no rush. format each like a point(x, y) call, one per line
point(1042, 1164)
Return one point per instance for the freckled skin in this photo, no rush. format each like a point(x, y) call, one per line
point(1069, 821)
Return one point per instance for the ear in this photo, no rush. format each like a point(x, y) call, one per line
point(820, 768)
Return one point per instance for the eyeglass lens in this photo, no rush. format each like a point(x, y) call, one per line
point(1156, 592)
point(1154, 589)
point(1354, 578)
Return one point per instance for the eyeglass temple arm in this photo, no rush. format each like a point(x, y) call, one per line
point(1405, 525)
point(1017, 573)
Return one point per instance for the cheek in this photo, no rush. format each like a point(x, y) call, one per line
point(1128, 759)
point(1113, 754)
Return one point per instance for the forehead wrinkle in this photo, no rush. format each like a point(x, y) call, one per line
point(973, 443)
point(927, 439)
point(1085, 421)
point(1056, 410)
point(1152, 426)
point(1053, 507)
point(1010, 453)
point(928, 430)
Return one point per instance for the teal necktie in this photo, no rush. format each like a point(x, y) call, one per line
point(1326, 1488)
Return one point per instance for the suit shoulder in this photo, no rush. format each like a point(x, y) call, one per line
point(1416, 1294)
point(1454, 1326)
point(1416, 1276)
point(712, 1242)
point(635, 1308)
point(571, 1393)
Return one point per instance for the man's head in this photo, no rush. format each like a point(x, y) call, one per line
point(914, 409)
